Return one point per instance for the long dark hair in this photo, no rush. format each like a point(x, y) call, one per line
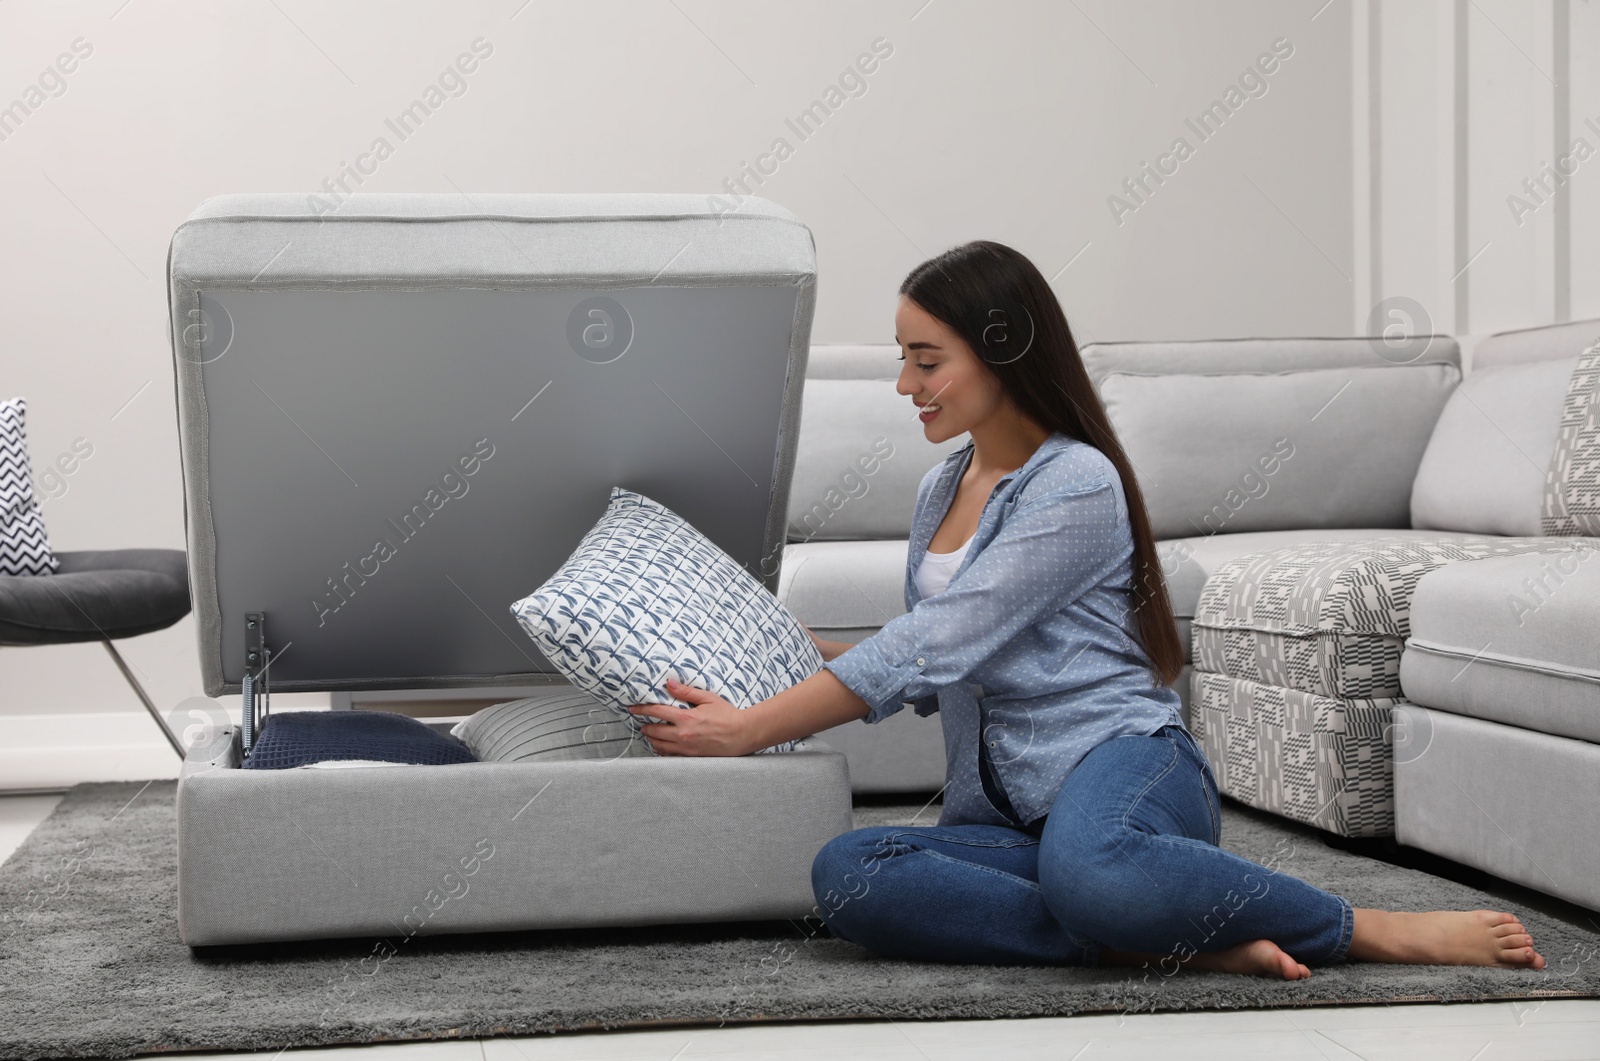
point(996, 300)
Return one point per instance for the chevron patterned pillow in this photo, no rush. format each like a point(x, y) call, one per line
point(24, 546)
point(646, 597)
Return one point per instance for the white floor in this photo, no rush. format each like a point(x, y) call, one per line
point(1505, 1031)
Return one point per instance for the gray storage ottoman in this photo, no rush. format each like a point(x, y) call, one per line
point(399, 414)
point(495, 847)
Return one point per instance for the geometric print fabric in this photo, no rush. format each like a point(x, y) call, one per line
point(1329, 618)
point(1572, 482)
point(1314, 759)
point(1297, 667)
point(646, 597)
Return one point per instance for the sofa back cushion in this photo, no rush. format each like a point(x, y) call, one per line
point(1484, 469)
point(853, 361)
point(860, 458)
point(1554, 342)
point(1333, 447)
point(1226, 356)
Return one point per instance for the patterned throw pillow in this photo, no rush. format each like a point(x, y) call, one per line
point(646, 597)
point(1572, 485)
point(24, 546)
point(552, 725)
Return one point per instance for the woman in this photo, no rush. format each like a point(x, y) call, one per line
point(1080, 817)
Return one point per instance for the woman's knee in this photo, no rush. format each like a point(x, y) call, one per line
point(1091, 872)
point(842, 871)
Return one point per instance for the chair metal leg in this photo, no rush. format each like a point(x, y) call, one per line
point(172, 738)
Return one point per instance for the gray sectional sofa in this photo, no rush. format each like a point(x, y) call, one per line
point(1381, 567)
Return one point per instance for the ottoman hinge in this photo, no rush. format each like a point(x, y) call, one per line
point(257, 698)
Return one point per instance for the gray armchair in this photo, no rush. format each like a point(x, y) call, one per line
point(99, 596)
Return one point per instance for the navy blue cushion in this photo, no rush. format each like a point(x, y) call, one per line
point(295, 738)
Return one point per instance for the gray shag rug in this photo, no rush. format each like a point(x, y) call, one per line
point(91, 964)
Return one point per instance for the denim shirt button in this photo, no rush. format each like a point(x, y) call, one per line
point(921, 662)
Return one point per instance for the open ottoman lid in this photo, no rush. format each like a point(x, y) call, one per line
point(400, 413)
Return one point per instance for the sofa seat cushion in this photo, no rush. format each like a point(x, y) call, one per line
point(903, 753)
point(1188, 562)
point(844, 591)
point(1318, 760)
point(1328, 618)
point(1511, 639)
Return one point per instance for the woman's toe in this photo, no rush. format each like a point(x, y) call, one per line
point(1291, 969)
point(1522, 958)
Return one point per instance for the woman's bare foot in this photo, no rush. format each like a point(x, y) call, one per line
point(1444, 937)
point(1260, 957)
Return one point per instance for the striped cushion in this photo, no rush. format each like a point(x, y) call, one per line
point(646, 597)
point(553, 724)
point(24, 546)
point(1327, 618)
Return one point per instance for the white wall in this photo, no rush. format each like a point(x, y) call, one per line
point(1506, 86)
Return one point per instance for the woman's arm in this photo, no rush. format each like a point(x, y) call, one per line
point(820, 702)
point(829, 649)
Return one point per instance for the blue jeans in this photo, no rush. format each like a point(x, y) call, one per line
point(1126, 860)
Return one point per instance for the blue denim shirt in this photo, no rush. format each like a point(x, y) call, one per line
point(1028, 655)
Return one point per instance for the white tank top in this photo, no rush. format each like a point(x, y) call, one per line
point(936, 569)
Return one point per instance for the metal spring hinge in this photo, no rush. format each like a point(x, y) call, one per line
point(257, 688)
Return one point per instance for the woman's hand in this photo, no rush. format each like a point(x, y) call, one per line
point(711, 727)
